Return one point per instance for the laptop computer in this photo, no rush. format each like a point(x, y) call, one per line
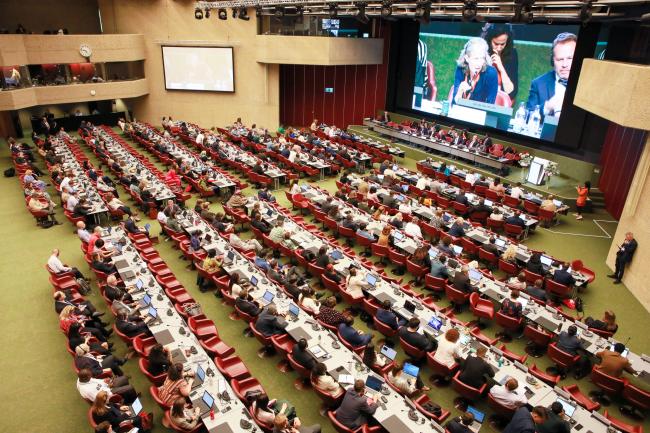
point(433, 252)
point(557, 203)
point(487, 202)
point(475, 275)
point(371, 279)
point(568, 406)
point(374, 384)
point(206, 403)
point(317, 351)
point(139, 284)
point(208, 238)
point(435, 324)
point(177, 356)
point(294, 311)
point(152, 312)
point(457, 249)
point(409, 306)
point(625, 352)
point(304, 187)
point(500, 243)
point(199, 377)
point(269, 212)
point(146, 300)
point(136, 407)
point(479, 417)
point(446, 217)
point(121, 264)
point(411, 369)
point(267, 298)
point(546, 261)
point(398, 236)
point(388, 352)
point(253, 281)
point(405, 188)
point(336, 255)
point(230, 257)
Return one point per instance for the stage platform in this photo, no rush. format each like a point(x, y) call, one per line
point(561, 186)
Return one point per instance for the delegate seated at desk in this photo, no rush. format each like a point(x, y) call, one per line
point(563, 276)
point(461, 424)
point(439, 267)
point(356, 407)
point(515, 220)
point(386, 316)
point(475, 370)
point(269, 322)
point(245, 303)
point(352, 336)
point(462, 282)
point(510, 394)
point(613, 363)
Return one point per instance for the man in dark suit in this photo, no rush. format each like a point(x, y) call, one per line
point(475, 369)
point(555, 422)
point(524, 421)
point(130, 326)
point(516, 220)
point(85, 359)
point(568, 341)
point(245, 303)
point(461, 424)
point(547, 91)
point(491, 246)
point(480, 210)
point(623, 257)
point(537, 290)
point(62, 300)
point(563, 276)
point(461, 198)
point(387, 317)
point(356, 407)
point(301, 355)
point(352, 336)
point(462, 282)
point(269, 322)
point(410, 334)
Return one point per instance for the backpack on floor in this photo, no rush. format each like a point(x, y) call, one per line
point(84, 287)
point(10, 172)
point(46, 224)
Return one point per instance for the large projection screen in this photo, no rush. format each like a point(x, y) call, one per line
point(204, 69)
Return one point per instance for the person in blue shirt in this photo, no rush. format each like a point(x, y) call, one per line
point(524, 421)
point(262, 260)
point(457, 230)
point(387, 317)
point(265, 194)
point(354, 337)
point(475, 77)
point(439, 267)
point(568, 341)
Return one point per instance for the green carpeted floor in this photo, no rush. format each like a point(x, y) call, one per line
point(38, 383)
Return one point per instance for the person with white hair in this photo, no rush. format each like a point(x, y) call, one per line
point(475, 78)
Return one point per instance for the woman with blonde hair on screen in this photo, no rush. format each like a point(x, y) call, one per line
point(475, 77)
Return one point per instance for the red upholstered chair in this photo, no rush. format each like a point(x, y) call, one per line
point(143, 363)
point(329, 401)
point(304, 373)
point(412, 351)
point(531, 277)
point(557, 289)
point(509, 268)
point(511, 202)
point(623, 426)
point(546, 217)
point(347, 233)
point(609, 386)
point(169, 422)
point(232, 367)
point(509, 324)
point(142, 345)
point(398, 259)
point(434, 283)
point(512, 355)
point(564, 361)
point(422, 400)
point(357, 350)
point(241, 387)
point(581, 398)
point(379, 251)
point(456, 297)
point(441, 372)
point(315, 270)
point(264, 340)
point(500, 410)
point(340, 428)
point(639, 400)
point(419, 271)
point(467, 392)
point(530, 207)
point(495, 225)
point(543, 376)
point(513, 231)
point(364, 242)
point(370, 306)
point(202, 327)
point(578, 266)
point(216, 347)
point(153, 390)
point(490, 259)
point(384, 329)
point(480, 308)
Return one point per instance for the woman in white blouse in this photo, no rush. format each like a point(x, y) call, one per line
point(306, 300)
point(323, 381)
point(448, 350)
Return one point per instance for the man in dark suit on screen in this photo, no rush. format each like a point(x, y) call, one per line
point(547, 90)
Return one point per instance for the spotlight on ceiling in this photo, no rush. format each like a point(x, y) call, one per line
point(386, 8)
point(198, 14)
point(279, 11)
point(243, 14)
point(223, 14)
point(585, 11)
point(361, 14)
point(207, 13)
point(334, 10)
point(423, 10)
point(470, 9)
point(234, 12)
point(523, 11)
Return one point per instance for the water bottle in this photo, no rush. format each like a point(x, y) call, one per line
point(212, 414)
point(520, 118)
point(500, 361)
point(534, 121)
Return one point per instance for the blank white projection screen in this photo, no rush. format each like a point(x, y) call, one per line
point(208, 69)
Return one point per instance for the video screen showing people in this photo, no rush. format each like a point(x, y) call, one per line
point(507, 76)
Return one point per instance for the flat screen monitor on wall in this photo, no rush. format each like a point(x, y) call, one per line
point(205, 69)
point(506, 76)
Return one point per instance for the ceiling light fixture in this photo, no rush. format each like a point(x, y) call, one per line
point(223, 14)
point(470, 9)
point(361, 14)
point(198, 14)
